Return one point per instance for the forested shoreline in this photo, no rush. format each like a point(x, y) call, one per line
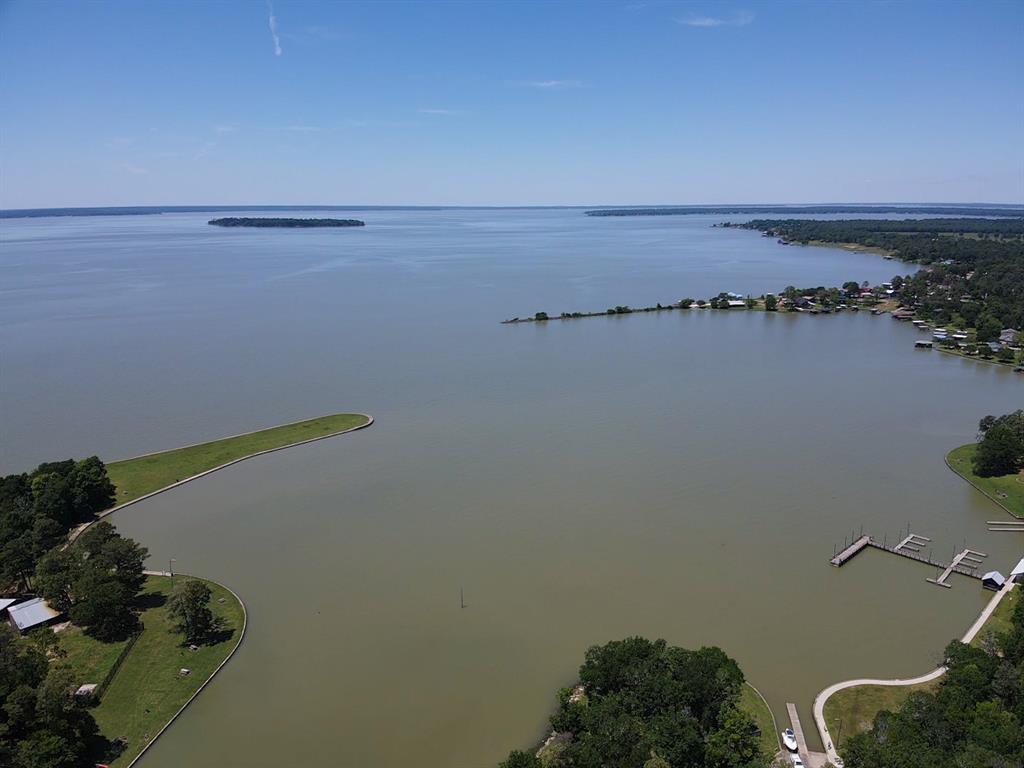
point(277, 223)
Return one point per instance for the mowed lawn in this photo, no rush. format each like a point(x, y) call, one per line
point(147, 689)
point(752, 703)
point(90, 660)
point(1008, 490)
point(137, 477)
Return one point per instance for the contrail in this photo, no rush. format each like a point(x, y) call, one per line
point(273, 29)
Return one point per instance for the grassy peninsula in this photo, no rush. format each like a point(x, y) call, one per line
point(285, 223)
point(144, 474)
point(1007, 490)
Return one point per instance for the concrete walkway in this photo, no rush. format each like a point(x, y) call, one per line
point(821, 698)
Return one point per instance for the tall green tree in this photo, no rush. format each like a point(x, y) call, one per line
point(190, 608)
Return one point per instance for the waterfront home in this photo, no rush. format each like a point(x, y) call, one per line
point(1008, 335)
point(923, 344)
point(30, 614)
point(1017, 574)
point(737, 304)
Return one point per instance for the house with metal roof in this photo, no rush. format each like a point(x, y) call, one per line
point(1017, 574)
point(30, 614)
point(5, 603)
point(993, 580)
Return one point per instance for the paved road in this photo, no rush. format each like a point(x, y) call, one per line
point(821, 698)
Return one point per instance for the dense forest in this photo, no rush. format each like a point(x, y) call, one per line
point(928, 210)
point(974, 720)
point(974, 268)
point(645, 704)
point(285, 223)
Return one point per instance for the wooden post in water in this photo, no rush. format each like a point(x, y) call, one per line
point(462, 598)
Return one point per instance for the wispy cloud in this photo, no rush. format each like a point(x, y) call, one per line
point(272, 21)
point(225, 128)
point(553, 85)
point(738, 19)
point(435, 111)
point(301, 128)
point(136, 170)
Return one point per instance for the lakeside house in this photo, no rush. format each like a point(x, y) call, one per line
point(1008, 336)
point(31, 614)
point(1017, 574)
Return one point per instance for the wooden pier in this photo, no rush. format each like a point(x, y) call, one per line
point(1006, 525)
point(965, 563)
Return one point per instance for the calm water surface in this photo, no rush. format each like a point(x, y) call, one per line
point(681, 475)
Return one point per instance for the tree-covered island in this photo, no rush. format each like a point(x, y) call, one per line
point(233, 221)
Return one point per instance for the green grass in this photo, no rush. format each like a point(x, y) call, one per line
point(752, 703)
point(856, 707)
point(147, 690)
point(91, 660)
point(137, 477)
point(1007, 491)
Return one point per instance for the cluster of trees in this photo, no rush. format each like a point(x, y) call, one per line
point(644, 704)
point(190, 609)
point(1000, 445)
point(95, 581)
point(37, 509)
point(41, 723)
point(975, 718)
point(975, 266)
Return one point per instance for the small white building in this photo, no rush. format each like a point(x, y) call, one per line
point(5, 603)
point(30, 614)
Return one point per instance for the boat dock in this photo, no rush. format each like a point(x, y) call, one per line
point(1006, 525)
point(965, 563)
point(811, 759)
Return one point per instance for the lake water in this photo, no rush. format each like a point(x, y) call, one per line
point(681, 475)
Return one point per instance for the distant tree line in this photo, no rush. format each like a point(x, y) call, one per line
point(645, 704)
point(974, 720)
point(1001, 445)
point(929, 210)
point(288, 223)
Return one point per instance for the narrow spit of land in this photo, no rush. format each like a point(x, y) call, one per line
point(1007, 491)
point(143, 475)
point(285, 223)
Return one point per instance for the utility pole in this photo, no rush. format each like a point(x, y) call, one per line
point(170, 570)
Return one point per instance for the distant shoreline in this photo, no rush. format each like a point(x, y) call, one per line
point(262, 222)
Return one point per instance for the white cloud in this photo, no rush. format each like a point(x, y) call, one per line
point(136, 170)
point(225, 128)
point(553, 85)
point(439, 111)
point(301, 128)
point(739, 19)
point(272, 21)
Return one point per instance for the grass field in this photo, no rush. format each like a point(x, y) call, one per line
point(857, 707)
point(147, 690)
point(137, 477)
point(752, 703)
point(999, 621)
point(1008, 490)
point(90, 659)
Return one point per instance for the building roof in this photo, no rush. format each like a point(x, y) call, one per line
point(995, 576)
point(6, 601)
point(31, 613)
point(1018, 569)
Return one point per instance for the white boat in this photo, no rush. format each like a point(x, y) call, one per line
point(789, 740)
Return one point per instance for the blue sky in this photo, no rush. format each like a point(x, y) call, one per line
point(116, 103)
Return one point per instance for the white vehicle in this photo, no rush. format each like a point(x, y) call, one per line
point(797, 762)
point(789, 740)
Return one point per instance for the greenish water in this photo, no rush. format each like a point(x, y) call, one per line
point(680, 475)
